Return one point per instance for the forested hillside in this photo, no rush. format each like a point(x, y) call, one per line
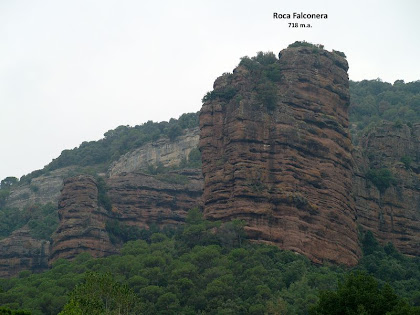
point(195, 271)
point(375, 100)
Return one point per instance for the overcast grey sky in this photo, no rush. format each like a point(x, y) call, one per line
point(72, 70)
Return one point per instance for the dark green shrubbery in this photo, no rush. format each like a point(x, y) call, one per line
point(382, 178)
point(225, 94)
point(42, 220)
point(115, 143)
point(341, 54)
point(406, 160)
point(374, 101)
point(208, 268)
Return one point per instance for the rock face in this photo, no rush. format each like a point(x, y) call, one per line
point(392, 213)
point(82, 221)
point(137, 200)
point(168, 153)
point(20, 251)
point(277, 154)
point(42, 190)
point(141, 200)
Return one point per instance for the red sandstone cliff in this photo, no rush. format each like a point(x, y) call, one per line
point(82, 221)
point(164, 200)
point(393, 214)
point(278, 154)
point(137, 200)
point(20, 251)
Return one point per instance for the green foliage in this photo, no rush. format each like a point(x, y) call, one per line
point(302, 44)
point(267, 93)
point(382, 178)
point(172, 178)
point(265, 59)
point(194, 159)
point(340, 53)
point(209, 268)
point(406, 160)
point(4, 194)
point(8, 311)
point(101, 294)
point(360, 294)
point(8, 182)
point(115, 143)
point(225, 94)
point(122, 233)
point(41, 219)
point(103, 198)
point(373, 101)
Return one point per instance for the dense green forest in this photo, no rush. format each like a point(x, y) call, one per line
point(193, 270)
point(374, 101)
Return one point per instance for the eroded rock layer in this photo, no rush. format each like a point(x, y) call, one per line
point(141, 200)
point(20, 251)
point(82, 221)
point(282, 161)
point(390, 208)
point(163, 151)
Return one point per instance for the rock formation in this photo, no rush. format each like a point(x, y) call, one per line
point(391, 213)
point(82, 221)
point(137, 199)
point(276, 153)
point(41, 190)
point(141, 200)
point(163, 151)
point(20, 251)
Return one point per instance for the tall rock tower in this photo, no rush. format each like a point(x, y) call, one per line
point(276, 152)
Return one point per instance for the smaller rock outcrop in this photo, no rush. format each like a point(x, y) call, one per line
point(20, 251)
point(82, 221)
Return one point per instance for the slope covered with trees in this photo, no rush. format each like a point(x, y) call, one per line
point(195, 271)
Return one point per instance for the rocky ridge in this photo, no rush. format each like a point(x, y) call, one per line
point(285, 167)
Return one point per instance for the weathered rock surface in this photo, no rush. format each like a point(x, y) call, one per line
point(82, 221)
point(393, 215)
point(20, 251)
point(137, 200)
point(286, 171)
point(141, 200)
point(42, 190)
point(168, 153)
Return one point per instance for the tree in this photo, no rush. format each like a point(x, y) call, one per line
point(101, 294)
point(360, 293)
point(8, 182)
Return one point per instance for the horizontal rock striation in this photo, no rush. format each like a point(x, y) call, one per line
point(277, 154)
point(82, 221)
point(20, 251)
point(163, 200)
point(163, 151)
point(392, 213)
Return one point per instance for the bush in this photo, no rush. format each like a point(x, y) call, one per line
point(267, 93)
point(407, 161)
point(224, 94)
point(382, 178)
